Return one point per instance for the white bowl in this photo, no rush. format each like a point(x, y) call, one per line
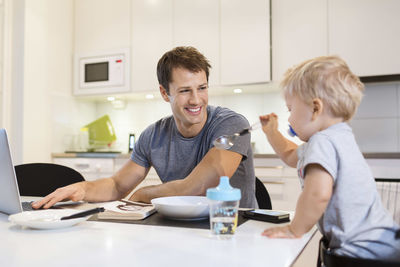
point(182, 207)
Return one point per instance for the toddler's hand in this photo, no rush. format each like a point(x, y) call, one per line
point(279, 232)
point(269, 123)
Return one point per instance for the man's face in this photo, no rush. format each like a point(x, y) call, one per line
point(188, 96)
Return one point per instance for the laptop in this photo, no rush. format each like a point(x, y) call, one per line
point(10, 201)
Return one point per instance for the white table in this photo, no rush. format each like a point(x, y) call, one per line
point(93, 243)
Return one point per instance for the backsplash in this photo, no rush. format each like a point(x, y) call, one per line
point(376, 124)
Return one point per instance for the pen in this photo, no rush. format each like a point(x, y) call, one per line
point(83, 213)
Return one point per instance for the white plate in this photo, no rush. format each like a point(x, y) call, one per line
point(182, 207)
point(45, 219)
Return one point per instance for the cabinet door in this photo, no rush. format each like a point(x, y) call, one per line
point(245, 42)
point(151, 38)
point(365, 34)
point(101, 25)
point(299, 32)
point(196, 23)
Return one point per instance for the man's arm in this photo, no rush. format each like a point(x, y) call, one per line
point(216, 163)
point(284, 148)
point(106, 189)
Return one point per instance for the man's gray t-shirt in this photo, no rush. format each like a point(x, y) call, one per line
point(355, 221)
point(174, 156)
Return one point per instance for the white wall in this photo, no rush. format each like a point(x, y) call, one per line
point(50, 113)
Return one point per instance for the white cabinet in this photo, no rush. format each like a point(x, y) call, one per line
point(101, 25)
point(151, 37)
point(90, 168)
point(299, 32)
point(365, 34)
point(362, 32)
point(196, 23)
point(232, 34)
point(245, 42)
point(281, 181)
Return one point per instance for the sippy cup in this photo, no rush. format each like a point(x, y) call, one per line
point(224, 204)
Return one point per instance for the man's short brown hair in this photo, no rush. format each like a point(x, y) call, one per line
point(185, 57)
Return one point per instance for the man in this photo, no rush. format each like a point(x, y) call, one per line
point(179, 147)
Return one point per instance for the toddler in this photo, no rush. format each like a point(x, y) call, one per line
point(339, 191)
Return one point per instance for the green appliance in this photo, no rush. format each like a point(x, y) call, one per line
point(101, 133)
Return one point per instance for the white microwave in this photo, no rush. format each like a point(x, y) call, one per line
point(102, 73)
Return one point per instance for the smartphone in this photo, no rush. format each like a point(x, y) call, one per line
point(272, 216)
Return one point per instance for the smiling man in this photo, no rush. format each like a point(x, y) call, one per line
point(178, 147)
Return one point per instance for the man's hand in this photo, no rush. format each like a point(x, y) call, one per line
point(74, 192)
point(279, 232)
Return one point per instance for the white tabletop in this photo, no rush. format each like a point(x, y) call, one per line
point(93, 243)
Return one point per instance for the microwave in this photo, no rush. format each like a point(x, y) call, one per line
point(102, 73)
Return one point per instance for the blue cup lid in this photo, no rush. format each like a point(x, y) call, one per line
point(224, 191)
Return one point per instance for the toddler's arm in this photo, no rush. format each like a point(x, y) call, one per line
point(285, 149)
point(314, 199)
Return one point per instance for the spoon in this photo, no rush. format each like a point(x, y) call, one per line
point(291, 132)
point(227, 141)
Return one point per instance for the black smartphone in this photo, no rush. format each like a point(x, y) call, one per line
point(272, 216)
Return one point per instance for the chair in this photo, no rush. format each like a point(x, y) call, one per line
point(328, 259)
point(389, 190)
point(40, 179)
point(262, 196)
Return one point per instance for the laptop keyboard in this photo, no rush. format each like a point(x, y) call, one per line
point(26, 206)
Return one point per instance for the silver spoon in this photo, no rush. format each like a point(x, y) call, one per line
point(227, 141)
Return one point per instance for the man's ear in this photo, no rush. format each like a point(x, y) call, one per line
point(318, 107)
point(164, 93)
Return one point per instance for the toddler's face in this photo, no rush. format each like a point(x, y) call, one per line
point(300, 117)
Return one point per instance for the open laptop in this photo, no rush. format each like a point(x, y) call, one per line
point(10, 201)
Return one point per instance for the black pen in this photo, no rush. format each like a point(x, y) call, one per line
point(83, 213)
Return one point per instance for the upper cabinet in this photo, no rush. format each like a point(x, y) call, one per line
point(365, 34)
point(102, 25)
point(245, 41)
point(151, 37)
point(232, 34)
point(196, 23)
point(299, 32)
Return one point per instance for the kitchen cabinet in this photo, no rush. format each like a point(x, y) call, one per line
point(93, 168)
point(233, 35)
point(299, 32)
point(90, 168)
point(196, 23)
point(281, 181)
point(361, 32)
point(101, 25)
point(151, 32)
point(245, 42)
point(364, 33)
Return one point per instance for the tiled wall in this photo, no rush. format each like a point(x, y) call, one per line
point(376, 124)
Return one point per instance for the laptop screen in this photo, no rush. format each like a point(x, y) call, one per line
point(10, 202)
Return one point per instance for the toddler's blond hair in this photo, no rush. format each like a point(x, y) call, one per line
point(329, 79)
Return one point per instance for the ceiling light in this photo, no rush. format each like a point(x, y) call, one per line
point(111, 98)
point(237, 90)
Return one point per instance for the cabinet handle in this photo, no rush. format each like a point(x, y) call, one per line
point(82, 165)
